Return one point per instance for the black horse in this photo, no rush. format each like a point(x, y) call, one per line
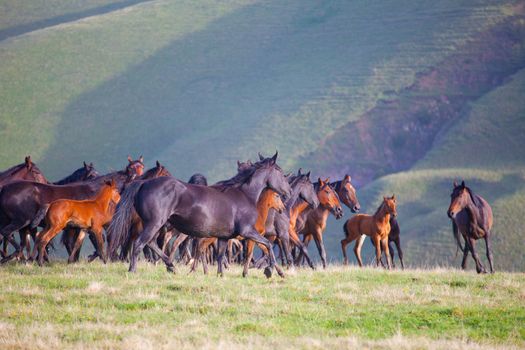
point(84, 173)
point(472, 216)
point(21, 201)
point(224, 210)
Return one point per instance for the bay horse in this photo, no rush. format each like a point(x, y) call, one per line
point(224, 211)
point(312, 223)
point(471, 215)
point(376, 226)
point(20, 201)
point(91, 214)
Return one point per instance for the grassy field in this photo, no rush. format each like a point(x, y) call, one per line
point(99, 306)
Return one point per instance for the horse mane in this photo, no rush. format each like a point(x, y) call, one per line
point(242, 176)
point(198, 179)
point(474, 197)
point(9, 172)
point(379, 208)
point(71, 178)
point(148, 174)
point(336, 185)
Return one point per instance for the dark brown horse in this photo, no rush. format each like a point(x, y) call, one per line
point(472, 216)
point(21, 201)
point(25, 171)
point(224, 211)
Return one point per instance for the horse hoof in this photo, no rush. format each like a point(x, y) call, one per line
point(244, 274)
point(268, 272)
point(170, 268)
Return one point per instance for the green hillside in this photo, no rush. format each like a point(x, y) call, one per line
point(485, 148)
point(405, 96)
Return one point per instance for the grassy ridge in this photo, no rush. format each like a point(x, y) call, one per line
point(103, 306)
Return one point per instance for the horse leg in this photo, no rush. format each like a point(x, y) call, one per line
point(377, 245)
point(6, 232)
point(344, 243)
point(489, 250)
point(181, 238)
point(42, 242)
point(479, 266)
point(255, 236)
point(357, 249)
point(299, 261)
point(248, 257)
point(386, 249)
point(318, 238)
point(149, 233)
point(76, 246)
point(297, 242)
point(466, 249)
point(222, 245)
point(399, 252)
point(392, 252)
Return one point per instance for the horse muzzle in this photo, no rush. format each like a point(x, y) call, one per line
point(451, 214)
point(338, 212)
point(356, 208)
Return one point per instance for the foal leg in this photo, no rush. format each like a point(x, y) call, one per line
point(392, 253)
point(357, 249)
point(384, 244)
point(76, 247)
point(489, 251)
point(377, 244)
point(222, 246)
point(178, 241)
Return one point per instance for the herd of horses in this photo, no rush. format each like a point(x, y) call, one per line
point(132, 212)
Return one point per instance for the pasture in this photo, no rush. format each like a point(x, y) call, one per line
point(102, 306)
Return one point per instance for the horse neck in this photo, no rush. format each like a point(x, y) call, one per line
point(296, 211)
point(103, 198)
point(253, 188)
point(474, 211)
point(382, 216)
point(262, 215)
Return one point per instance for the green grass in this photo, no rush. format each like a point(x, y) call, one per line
point(104, 306)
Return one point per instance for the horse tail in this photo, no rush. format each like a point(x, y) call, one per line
point(40, 215)
point(455, 231)
point(119, 228)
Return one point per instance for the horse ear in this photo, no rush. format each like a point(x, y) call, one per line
point(158, 164)
point(320, 181)
point(274, 158)
point(27, 160)
point(327, 180)
point(107, 182)
point(141, 159)
point(347, 178)
point(393, 196)
point(384, 198)
point(455, 184)
point(260, 156)
point(238, 164)
point(85, 165)
point(129, 159)
point(308, 175)
point(299, 172)
point(249, 162)
point(463, 184)
point(113, 183)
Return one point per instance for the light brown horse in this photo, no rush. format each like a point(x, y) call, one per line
point(312, 223)
point(376, 226)
point(89, 215)
point(472, 216)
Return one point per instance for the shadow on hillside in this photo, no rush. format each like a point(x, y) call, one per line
point(201, 95)
point(70, 17)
